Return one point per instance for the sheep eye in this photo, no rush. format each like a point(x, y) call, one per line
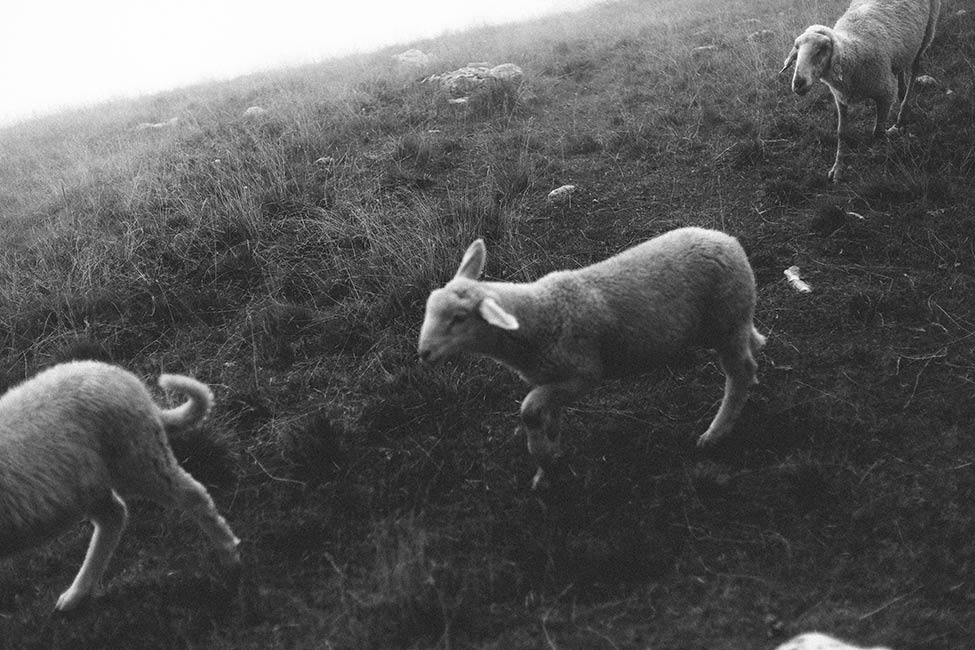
point(456, 319)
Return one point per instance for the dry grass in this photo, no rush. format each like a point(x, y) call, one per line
point(384, 504)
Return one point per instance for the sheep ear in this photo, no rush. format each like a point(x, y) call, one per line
point(473, 263)
point(789, 60)
point(495, 314)
point(835, 68)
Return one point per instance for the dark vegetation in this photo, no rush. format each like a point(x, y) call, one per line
point(385, 504)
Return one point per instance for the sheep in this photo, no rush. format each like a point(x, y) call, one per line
point(873, 52)
point(623, 316)
point(818, 641)
point(79, 438)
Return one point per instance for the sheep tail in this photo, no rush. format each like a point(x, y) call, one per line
point(191, 412)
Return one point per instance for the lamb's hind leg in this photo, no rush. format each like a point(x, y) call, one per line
point(158, 477)
point(739, 365)
point(188, 495)
point(108, 516)
point(904, 95)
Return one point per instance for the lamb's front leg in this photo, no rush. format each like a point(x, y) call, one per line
point(842, 148)
point(903, 96)
point(880, 121)
point(540, 416)
point(108, 515)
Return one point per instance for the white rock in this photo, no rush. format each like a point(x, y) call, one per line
point(507, 72)
point(703, 50)
point(561, 194)
point(173, 121)
point(761, 35)
point(792, 275)
point(254, 111)
point(413, 57)
point(463, 82)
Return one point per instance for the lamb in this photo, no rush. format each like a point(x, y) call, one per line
point(77, 439)
point(623, 316)
point(873, 52)
point(817, 641)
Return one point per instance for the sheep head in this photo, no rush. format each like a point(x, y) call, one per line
point(813, 55)
point(462, 315)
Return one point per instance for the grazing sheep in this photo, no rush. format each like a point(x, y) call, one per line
point(625, 315)
point(817, 641)
point(80, 437)
point(873, 52)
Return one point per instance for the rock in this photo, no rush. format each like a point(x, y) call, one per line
point(561, 194)
point(144, 126)
point(507, 72)
point(460, 84)
point(792, 275)
point(761, 36)
point(413, 58)
point(703, 50)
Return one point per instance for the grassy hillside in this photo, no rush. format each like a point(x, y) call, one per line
point(385, 504)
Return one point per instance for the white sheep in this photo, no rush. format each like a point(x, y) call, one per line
point(873, 52)
point(623, 316)
point(80, 437)
point(818, 641)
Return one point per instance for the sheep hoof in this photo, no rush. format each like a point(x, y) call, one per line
point(229, 557)
point(539, 481)
point(70, 600)
point(708, 438)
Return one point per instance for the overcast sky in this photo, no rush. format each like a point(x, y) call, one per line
point(62, 53)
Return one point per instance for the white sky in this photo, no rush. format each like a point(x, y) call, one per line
point(60, 53)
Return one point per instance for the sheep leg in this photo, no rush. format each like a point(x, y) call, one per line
point(836, 172)
point(880, 120)
point(900, 124)
point(171, 486)
point(540, 412)
point(108, 517)
point(191, 497)
point(739, 366)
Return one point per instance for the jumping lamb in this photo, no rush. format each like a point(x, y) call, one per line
point(623, 316)
point(873, 52)
point(77, 439)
